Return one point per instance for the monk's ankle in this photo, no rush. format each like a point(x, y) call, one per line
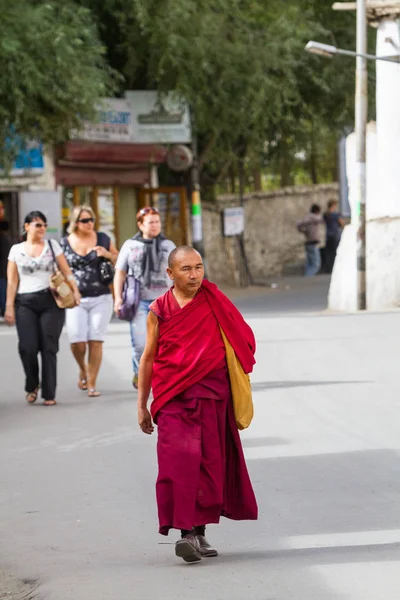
point(185, 532)
point(200, 530)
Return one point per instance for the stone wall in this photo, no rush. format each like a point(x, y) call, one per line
point(271, 241)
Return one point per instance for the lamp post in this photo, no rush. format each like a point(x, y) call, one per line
point(329, 51)
point(361, 112)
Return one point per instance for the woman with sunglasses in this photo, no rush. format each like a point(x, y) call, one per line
point(31, 305)
point(145, 256)
point(85, 249)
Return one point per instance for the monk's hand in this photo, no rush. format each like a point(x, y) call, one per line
point(144, 419)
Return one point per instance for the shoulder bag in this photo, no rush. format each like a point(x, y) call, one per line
point(62, 292)
point(106, 268)
point(240, 387)
point(130, 299)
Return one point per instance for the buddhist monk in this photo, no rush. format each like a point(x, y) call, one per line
point(202, 472)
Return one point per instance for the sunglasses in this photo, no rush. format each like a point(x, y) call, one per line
point(147, 210)
point(85, 221)
point(39, 225)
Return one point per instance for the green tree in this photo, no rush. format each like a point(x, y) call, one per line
point(52, 71)
point(258, 100)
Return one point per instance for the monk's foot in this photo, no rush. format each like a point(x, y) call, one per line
point(188, 548)
point(206, 550)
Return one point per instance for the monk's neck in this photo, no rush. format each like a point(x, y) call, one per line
point(181, 298)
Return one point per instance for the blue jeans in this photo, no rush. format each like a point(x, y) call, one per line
point(3, 293)
point(313, 260)
point(138, 333)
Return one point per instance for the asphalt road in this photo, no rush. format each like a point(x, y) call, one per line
point(77, 505)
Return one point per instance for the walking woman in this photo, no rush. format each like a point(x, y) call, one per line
point(86, 250)
point(32, 307)
point(145, 256)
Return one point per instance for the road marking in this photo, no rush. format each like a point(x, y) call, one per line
point(344, 539)
point(296, 450)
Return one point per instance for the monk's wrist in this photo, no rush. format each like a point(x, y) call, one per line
point(141, 403)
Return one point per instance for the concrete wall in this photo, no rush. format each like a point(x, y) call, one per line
point(272, 242)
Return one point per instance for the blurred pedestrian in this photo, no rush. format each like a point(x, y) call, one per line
point(145, 256)
point(334, 225)
point(310, 227)
point(86, 251)
point(31, 305)
point(5, 246)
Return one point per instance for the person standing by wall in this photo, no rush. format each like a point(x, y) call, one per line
point(145, 256)
point(334, 225)
point(30, 304)
point(310, 227)
point(87, 323)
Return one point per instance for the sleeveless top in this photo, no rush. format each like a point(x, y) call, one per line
point(86, 269)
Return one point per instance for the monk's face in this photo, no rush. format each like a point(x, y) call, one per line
point(187, 272)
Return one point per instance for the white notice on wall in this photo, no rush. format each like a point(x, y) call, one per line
point(233, 221)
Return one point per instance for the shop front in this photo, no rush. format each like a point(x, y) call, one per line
point(112, 164)
point(116, 179)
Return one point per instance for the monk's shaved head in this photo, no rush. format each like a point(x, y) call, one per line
point(180, 252)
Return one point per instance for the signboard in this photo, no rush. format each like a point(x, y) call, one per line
point(139, 118)
point(159, 121)
point(113, 123)
point(29, 159)
point(233, 220)
point(179, 158)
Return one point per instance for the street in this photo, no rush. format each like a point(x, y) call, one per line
point(77, 501)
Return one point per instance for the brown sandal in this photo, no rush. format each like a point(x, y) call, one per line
point(31, 397)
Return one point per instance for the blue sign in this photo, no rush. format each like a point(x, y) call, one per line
point(29, 157)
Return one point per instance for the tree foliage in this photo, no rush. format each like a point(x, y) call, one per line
point(255, 94)
point(257, 99)
point(52, 70)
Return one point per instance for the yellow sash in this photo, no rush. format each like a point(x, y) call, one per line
point(240, 387)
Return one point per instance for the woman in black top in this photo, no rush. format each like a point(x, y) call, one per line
point(85, 250)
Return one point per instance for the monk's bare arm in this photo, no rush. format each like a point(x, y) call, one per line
point(145, 373)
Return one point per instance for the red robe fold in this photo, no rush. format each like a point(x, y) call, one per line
point(190, 344)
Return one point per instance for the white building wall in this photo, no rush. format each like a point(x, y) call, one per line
point(383, 195)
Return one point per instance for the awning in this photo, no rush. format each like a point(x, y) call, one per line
point(94, 152)
point(75, 175)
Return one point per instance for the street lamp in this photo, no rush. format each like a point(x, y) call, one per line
point(361, 110)
point(330, 51)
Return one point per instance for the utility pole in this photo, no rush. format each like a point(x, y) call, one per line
point(361, 110)
point(197, 225)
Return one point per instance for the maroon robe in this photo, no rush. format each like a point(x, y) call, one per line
point(202, 472)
